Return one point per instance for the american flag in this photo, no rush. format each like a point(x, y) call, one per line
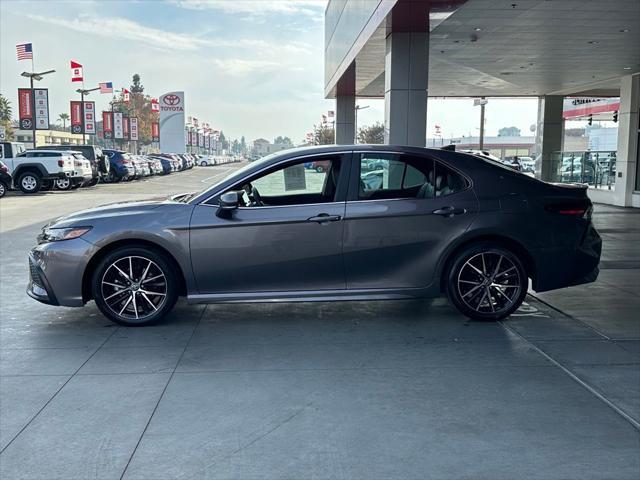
point(106, 87)
point(25, 51)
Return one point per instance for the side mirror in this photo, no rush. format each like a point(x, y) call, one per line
point(228, 201)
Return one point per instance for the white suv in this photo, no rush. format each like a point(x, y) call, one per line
point(33, 167)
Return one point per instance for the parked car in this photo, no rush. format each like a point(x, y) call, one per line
point(320, 166)
point(82, 168)
point(32, 168)
point(439, 225)
point(5, 180)
point(98, 160)
point(167, 163)
point(120, 164)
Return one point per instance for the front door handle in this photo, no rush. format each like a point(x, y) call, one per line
point(324, 217)
point(449, 211)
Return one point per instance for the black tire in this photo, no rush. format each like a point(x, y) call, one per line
point(3, 189)
point(135, 291)
point(29, 182)
point(320, 169)
point(486, 282)
point(93, 182)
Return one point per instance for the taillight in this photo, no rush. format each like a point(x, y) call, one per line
point(61, 163)
point(77, 163)
point(578, 212)
point(4, 169)
point(572, 209)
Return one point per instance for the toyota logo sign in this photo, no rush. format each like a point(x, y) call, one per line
point(171, 100)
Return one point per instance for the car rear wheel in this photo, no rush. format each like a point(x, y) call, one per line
point(29, 182)
point(63, 183)
point(486, 282)
point(320, 169)
point(134, 286)
point(3, 189)
point(203, 164)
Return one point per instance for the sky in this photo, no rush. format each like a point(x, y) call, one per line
point(252, 68)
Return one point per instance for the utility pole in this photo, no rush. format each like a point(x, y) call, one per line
point(82, 93)
point(482, 102)
point(34, 76)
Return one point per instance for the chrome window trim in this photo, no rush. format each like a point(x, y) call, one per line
point(287, 160)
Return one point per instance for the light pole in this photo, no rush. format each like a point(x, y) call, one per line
point(34, 76)
point(82, 93)
point(355, 123)
point(482, 102)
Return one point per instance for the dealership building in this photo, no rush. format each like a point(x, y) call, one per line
point(580, 58)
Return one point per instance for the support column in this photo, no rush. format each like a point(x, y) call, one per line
point(406, 74)
point(628, 133)
point(549, 134)
point(345, 129)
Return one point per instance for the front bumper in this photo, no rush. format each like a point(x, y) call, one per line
point(56, 271)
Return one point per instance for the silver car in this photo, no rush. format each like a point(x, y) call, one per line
point(424, 223)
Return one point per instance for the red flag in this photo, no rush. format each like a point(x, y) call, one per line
point(76, 72)
point(155, 105)
point(126, 94)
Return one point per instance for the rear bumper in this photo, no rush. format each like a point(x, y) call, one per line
point(558, 268)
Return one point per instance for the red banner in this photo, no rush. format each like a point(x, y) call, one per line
point(107, 125)
point(25, 108)
point(155, 132)
point(76, 117)
point(125, 127)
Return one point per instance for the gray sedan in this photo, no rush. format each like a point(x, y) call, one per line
point(433, 222)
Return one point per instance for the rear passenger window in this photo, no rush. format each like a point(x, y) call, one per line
point(392, 176)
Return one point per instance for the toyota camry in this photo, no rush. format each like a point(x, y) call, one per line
point(423, 223)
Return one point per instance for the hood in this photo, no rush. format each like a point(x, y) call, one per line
point(129, 208)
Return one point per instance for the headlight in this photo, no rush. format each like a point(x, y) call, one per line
point(58, 234)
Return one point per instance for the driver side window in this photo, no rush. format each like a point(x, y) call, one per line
point(302, 182)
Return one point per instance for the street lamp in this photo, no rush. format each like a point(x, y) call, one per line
point(355, 123)
point(82, 93)
point(34, 76)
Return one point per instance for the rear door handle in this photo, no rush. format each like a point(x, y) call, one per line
point(449, 211)
point(324, 217)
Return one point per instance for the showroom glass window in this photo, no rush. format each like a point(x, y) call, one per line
point(391, 176)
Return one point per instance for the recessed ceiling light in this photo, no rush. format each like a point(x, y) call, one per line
point(478, 29)
point(624, 30)
point(593, 42)
point(627, 68)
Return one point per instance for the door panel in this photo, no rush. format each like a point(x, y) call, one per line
point(268, 249)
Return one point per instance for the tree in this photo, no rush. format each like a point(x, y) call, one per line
point(243, 146)
point(371, 133)
point(279, 140)
point(235, 147)
point(136, 87)
point(63, 117)
point(5, 117)
point(509, 132)
point(224, 143)
point(323, 134)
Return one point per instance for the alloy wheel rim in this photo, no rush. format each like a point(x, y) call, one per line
point(134, 287)
point(62, 183)
point(29, 182)
point(489, 282)
point(1, 189)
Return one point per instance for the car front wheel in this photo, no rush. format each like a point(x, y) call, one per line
point(486, 282)
point(3, 189)
point(134, 286)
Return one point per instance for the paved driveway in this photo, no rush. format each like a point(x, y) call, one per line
point(367, 390)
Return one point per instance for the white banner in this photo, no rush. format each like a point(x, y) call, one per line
point(89, 118)
point(172, 123)
point(200, 139)
point(118, 128)
point(133, 127)
point(42, 108)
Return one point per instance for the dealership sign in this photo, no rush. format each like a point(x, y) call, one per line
point(89, 115)
point(25, 108)
point(155, 132)
point(172, 122)
point(133, 125)
point(118, 125)
point(107, 125)
point(125, 127)
point(576, 107)
point(42, 108)
point(76, 116)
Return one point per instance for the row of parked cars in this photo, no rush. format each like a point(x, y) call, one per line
point(65, 167)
